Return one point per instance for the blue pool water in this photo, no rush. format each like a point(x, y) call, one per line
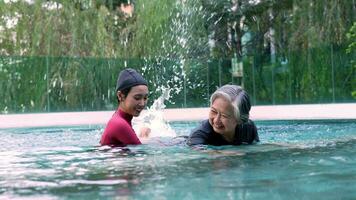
point(295, 160)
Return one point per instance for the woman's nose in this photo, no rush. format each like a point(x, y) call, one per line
point(217, 118)
point(142, 102)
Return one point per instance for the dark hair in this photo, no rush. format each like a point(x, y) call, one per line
point(124, 92)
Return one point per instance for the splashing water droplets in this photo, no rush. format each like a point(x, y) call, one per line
point(153, 118)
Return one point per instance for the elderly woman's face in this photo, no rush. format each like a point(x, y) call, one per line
point(222, 117)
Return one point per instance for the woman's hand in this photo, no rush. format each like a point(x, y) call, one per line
point(144, 132)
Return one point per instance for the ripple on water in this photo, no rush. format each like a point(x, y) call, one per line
point(294, 154)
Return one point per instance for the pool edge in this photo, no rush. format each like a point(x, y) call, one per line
point(258, 113)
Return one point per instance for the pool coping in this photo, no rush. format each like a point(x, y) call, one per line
point(258, 113)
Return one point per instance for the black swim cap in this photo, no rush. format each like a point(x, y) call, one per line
point(129, 78)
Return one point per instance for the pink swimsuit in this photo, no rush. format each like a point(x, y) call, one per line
point(119, 131)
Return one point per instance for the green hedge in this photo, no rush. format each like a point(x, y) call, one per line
point(51, 84)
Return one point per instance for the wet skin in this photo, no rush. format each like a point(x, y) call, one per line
point(135, 101)
point(222, 118)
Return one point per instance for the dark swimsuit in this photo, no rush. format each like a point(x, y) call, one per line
point(245, 133)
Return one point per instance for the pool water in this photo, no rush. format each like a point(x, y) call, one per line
point(294, 160)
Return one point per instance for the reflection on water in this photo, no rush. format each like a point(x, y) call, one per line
point(294, 160)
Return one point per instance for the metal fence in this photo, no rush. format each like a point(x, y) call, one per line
point(52, 84)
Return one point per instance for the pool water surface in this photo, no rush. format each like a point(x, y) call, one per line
point(295, 159)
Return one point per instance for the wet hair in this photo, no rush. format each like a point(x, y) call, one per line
point(238, 98)
point(125, 92)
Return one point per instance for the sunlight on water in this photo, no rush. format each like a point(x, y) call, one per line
point(314, 158)
point(294, 160)
point(307, 134)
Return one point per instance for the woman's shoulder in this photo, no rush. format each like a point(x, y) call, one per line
point(200, 134)
point(204, 126)
point(118, 122)
point(250, 124)
point(247, 133)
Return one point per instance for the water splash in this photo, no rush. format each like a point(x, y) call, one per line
point(153, 118)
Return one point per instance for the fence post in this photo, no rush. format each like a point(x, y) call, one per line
point(47, 77)
point(220, 61)
point(253, 79)
point(208, 82)
point(332, 71)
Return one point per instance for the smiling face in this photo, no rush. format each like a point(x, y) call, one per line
point(135, 101)
point(222, 118)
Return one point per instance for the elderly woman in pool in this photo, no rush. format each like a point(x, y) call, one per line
point(228, 122)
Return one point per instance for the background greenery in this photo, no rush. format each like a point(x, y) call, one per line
point(65, 55)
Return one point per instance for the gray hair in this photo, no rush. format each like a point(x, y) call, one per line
point(239, 100)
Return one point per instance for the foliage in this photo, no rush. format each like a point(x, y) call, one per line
point(65, 55)
point(351, 35)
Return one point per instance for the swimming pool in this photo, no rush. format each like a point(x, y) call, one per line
point(313, 159)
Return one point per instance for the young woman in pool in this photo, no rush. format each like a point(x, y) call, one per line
point(132, 95)
point(228, 122)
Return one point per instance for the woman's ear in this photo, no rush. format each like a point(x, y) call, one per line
point(120, 96)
